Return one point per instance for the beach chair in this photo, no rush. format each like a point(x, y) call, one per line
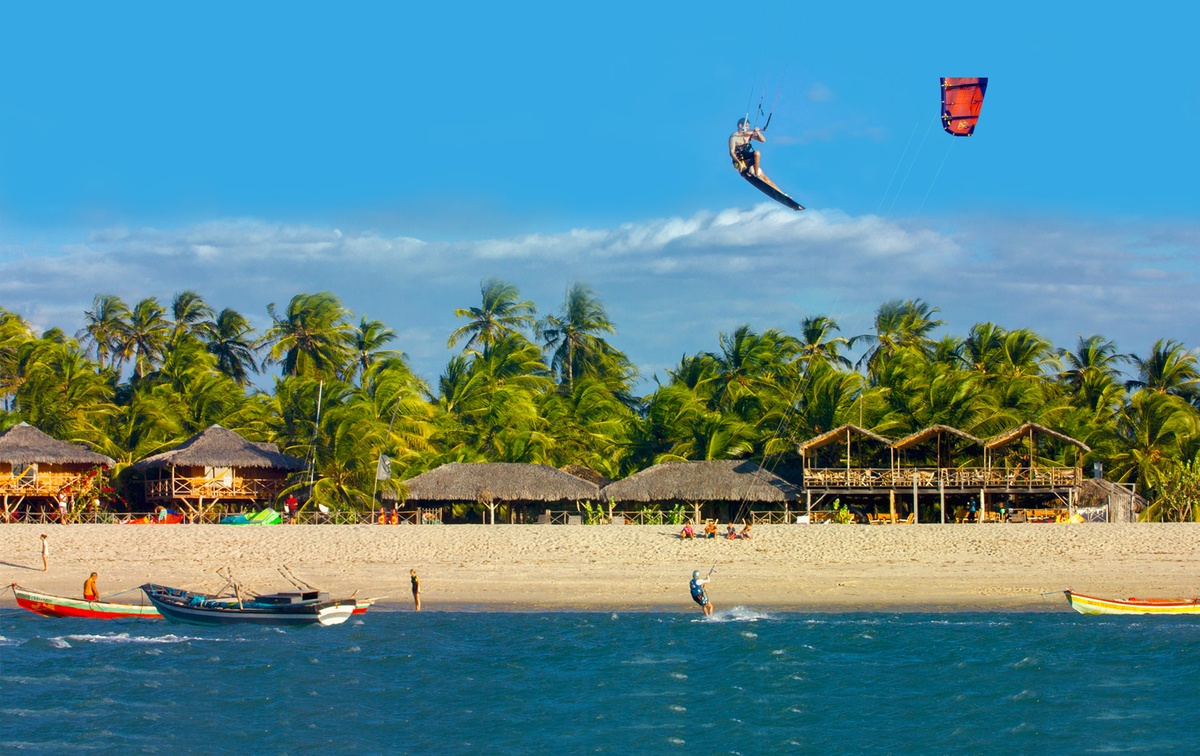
point(574, 519)
point(544, 519)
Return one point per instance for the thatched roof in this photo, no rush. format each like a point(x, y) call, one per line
point(587, 473)
point(721, 480)
point(23, 444)
point(930, 432)
point(497, 481)
point(219, 447)
point(837, 434)
point(1028, 429)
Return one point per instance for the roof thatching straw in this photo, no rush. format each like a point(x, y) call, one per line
point(837, 434)
point(219, 447)
point(930, 432)
point(587, 473)
point(720, 480)
point(1031, 429)
point(24, 445)
point(497, 481)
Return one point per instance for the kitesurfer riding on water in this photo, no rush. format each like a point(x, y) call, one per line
point(699, 595)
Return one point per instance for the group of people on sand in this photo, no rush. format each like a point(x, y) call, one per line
point(710, 531)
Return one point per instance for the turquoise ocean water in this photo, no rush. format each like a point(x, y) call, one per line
point(471, 682)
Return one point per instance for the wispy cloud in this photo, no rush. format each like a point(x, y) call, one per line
point(670, 284)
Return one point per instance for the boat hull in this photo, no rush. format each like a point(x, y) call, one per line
point(49, 605)
point(1093, 605)
point(197, 609)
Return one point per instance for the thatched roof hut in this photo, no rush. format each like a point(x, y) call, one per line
point(25, 445)
point(486, 482)
point(719, 480)
point(219, 447)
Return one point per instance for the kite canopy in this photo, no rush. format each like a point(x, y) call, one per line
point(962, 98)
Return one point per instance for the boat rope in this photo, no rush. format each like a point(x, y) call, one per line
point(118, 593)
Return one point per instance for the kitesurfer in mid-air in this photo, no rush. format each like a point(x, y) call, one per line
point(699, 595)
point(746, 159)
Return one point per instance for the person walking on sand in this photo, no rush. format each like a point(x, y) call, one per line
point(699, 594)
point(89, 589)
point(45, 553)
point(416, 589)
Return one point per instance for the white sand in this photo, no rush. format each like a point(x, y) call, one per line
point(518, 567)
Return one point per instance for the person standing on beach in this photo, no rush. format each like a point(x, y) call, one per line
point(699, 594)
point(416, 589)
point(89, 589)
point(45, 553)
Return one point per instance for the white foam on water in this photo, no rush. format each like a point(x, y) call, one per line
point(736, 614)
point(59, 643)
point(118, 638)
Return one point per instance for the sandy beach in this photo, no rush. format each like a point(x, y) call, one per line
point(526, 567)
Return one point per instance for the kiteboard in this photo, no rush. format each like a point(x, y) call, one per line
point(772, 192)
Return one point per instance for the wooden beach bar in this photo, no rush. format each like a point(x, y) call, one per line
point(946, 463)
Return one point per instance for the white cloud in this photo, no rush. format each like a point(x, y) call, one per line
point(670, 284)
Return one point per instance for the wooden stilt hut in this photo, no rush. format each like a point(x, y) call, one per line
point(37, 468)
point(494, 485)
point(717, 489)
point(216, 467)
point(937, 458)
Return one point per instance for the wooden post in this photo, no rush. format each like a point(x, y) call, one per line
point(982, 505)
point(914, 496)
point(808, 503)
point(942, 495)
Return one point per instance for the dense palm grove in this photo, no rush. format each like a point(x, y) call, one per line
point(135, 381)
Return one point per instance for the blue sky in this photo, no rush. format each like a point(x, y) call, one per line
point(397, 155)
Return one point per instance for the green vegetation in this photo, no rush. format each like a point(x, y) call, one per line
point(138, 380)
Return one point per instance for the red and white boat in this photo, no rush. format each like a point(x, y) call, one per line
point(49, 605)
point(1092, 605)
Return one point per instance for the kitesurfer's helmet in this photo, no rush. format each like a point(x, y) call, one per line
point(743, 124)
point(695, 574)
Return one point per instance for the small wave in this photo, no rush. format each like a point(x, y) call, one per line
point(737, 614)
point(59, 643)
point(677, 707)
point(127, 638)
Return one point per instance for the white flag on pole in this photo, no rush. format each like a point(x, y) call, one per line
point(384, 470)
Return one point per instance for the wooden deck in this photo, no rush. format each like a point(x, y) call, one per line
point(867, 479)
point(224, 489)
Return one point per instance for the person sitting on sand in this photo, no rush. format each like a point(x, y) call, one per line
point(687, 531)
point(746, 530)
point(730, 533)
point(710, 529)
point(89, 589)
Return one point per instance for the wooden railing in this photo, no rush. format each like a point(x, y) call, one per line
point(253, 489)
point(948, 477)
point(40, 483)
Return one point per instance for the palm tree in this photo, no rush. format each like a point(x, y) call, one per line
point(1170, 369)
point(104, 333)
point(501, 314)
point(369, 338)
point(899, 325)
point(817, 344)
point(191, 315)
point(313, 338)
point(146, 336)
point(571, 338)
point(231, 340)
